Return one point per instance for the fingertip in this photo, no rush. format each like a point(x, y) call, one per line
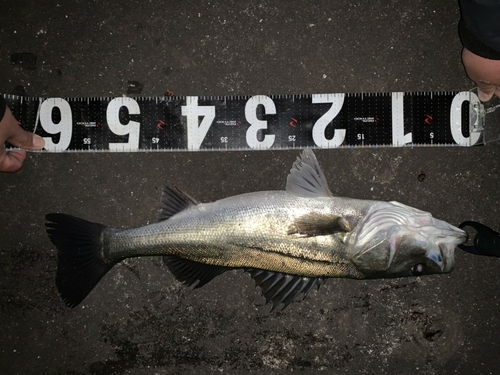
point(26, 140)
point(38, 142)
point(485, 96)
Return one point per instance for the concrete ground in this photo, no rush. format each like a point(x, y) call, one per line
point(139, 319)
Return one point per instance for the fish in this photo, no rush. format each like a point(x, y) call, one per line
point(289, 241)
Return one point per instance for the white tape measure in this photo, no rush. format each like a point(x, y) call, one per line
point(258, 122)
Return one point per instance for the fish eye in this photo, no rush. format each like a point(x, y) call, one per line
point(418, 269)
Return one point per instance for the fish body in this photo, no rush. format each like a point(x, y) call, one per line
point(289, 241)
point(251, 230)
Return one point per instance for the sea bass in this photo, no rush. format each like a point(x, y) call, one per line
point(288, 241)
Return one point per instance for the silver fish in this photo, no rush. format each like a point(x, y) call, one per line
point(289, 241)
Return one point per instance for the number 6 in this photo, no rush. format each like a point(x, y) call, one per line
point(64, 127)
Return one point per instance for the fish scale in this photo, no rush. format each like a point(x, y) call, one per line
point(234, 221)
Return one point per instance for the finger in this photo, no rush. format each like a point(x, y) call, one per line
point(23, 139)
point(11, 131)
point(12, 161)
point(497, 92)
point(484, 72)
point(485, 91)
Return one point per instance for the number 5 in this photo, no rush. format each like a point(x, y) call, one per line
point(132, 128)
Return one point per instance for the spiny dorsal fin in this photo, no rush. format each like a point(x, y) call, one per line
point(282, 288)
point(306, 179)
point(316, 224)
point(173, 202)
point(188, 272)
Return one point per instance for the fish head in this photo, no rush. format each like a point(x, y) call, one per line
point(395, 240)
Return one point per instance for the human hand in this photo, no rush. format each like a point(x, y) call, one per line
point(485, 72)
point(10, 131)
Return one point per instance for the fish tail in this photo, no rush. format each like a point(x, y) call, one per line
point(80, 263)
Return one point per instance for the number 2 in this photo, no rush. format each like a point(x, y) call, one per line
point(318, 131)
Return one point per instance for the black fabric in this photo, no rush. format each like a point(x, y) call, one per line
point(3, 107)
point(479, 28)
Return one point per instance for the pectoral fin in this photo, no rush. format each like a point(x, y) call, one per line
point(315, 224)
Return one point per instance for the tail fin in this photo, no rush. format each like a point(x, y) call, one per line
point(80, 263)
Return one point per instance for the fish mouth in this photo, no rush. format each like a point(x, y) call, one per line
point(444, 254)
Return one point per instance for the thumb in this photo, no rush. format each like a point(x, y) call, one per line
point(23, 139)
point(485, 90)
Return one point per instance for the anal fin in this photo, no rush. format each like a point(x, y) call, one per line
point(282, 288)
point(189, 272)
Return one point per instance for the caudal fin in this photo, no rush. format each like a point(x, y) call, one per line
point(80, 263)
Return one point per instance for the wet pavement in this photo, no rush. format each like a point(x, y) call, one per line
point(139, 319)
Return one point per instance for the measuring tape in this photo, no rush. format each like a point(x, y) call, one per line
point(257, 122)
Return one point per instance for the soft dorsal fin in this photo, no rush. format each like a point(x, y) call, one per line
point(173, 202)
point(282, 288)
point(306, 179)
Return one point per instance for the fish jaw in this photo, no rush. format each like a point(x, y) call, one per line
point(446, 238)
point(394, 238)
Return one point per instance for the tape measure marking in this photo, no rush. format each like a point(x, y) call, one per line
point(257, 122)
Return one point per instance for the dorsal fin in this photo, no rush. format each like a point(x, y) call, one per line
point(173, 202)
point(282, 288)
point(306, 179)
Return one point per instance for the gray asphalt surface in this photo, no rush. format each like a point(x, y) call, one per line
point(139, 319)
